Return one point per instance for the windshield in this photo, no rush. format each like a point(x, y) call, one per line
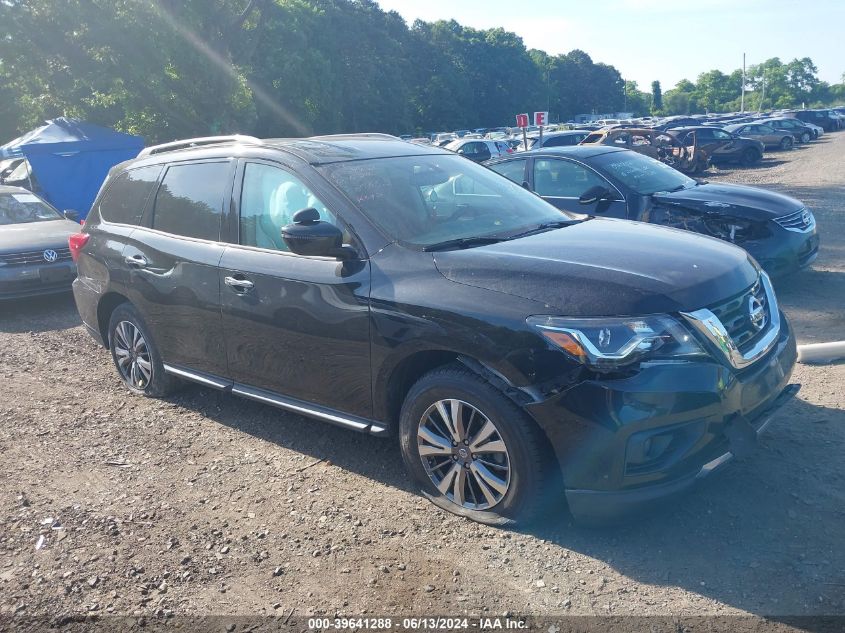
point(24, 207)
point(426, 200)
point(642, 174)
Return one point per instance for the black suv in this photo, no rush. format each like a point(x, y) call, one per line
point(522, 356)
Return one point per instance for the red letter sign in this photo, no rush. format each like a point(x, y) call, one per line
point(541, 118)
point(522, 120)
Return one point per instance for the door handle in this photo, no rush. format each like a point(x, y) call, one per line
point(242, 285)
point(136, 261)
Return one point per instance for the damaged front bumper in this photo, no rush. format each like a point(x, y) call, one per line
point(628, 443)
point(598, 505)
point(785, 251)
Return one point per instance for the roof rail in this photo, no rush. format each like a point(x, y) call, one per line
point(327, 137)
point(195, 142)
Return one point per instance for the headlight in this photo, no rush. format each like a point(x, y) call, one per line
point(607, 344)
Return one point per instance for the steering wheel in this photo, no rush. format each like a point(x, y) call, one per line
point(465, 211)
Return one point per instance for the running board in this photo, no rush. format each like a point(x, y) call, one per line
point(197, 376)
point(356, 423)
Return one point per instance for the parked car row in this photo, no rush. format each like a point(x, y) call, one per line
point(688, 143)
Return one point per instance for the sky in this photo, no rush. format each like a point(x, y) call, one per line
point(667, 40)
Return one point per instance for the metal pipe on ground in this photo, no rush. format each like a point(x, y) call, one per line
point(820, 353)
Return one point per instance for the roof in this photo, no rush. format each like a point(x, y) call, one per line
point(580, 151)
point(686, 128)
point(574, 151)
point(315, 150)
point(559, 133)
point(345, 147)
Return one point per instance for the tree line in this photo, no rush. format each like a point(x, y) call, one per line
point(170, 69)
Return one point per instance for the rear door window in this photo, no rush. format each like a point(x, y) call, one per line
point(557, 178)
point(189, 201)
point(512, 170)
point(127, 195)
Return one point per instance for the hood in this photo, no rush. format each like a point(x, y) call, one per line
point(751, 203)
point(32, 236)
point(605, 267)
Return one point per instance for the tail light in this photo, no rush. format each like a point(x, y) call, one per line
point(77, 242)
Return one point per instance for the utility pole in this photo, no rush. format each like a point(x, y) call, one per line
point(742, 98)
point(762, 95)
point(624, 96)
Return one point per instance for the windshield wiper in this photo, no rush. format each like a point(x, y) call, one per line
point(545, 226)
point(463, 242)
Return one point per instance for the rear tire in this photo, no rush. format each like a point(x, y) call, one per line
point(786, 143)
point(136, 356)
point(750, 156)
point(482, 457)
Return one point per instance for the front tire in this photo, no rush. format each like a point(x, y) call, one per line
point(786, 142)
point(750, 156)
point(136, 356)
point(805, 137)
point(472, 451)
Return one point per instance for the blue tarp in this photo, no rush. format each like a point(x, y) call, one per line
point(70, 159)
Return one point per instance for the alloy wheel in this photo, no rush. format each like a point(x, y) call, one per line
point(464, 454)
point(132, 355)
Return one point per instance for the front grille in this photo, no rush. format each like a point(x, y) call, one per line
point(801, 220)
point(33, 257)
point(735, 315)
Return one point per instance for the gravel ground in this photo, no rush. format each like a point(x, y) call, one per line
point(205, 503)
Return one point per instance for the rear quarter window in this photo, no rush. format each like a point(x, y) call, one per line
point(125, 198)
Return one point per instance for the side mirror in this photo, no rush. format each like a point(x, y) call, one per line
point(461, 150)
point(308, 235)
point(70, 214)
point(593, 195)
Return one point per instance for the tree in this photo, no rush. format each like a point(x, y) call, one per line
point(637, 101)
point(138, 66)
point(170, 69)
point(680, 99)
point(656, 97)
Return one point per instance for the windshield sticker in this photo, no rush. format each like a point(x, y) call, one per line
point(25, 197)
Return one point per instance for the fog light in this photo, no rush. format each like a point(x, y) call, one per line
point(646, 449)
point(649, 451)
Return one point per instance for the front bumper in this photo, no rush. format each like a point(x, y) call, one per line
point(607, 505)
point(785, 252)
point(714, 409)
point(36, 279)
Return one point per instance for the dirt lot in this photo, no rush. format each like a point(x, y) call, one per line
point(207, 503)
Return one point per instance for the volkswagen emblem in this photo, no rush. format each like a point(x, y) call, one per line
point(805, 218)
point(50, 255)
point(756, 313)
